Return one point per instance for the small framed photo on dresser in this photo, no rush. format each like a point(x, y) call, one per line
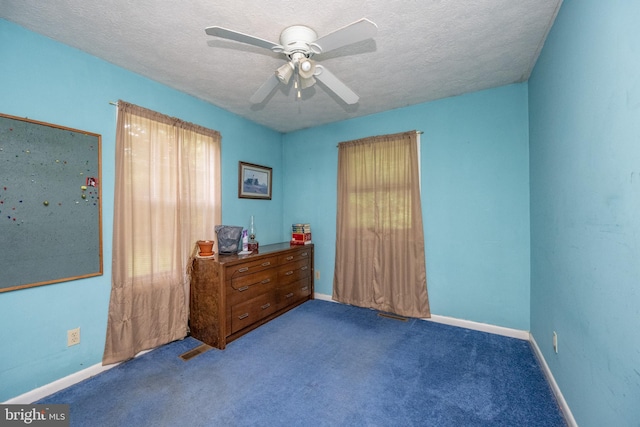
point(254, 181)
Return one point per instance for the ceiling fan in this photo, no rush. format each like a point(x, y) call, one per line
point(299, 43)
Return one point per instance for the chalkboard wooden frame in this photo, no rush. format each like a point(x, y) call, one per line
point(50, 203)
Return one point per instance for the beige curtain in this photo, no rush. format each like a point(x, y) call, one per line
point(380, 259)
point(167, 196)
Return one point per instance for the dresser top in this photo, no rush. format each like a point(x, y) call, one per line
point(262, 251)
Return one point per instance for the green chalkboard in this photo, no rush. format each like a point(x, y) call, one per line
point(50, 208)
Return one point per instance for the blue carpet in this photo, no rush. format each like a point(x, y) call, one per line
point(326, 364)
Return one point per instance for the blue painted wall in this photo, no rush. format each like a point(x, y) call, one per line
point(585, 208)
point(475, 198)
point(44, 80)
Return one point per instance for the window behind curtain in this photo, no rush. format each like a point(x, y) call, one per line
point(167, 196)
point(380, 260)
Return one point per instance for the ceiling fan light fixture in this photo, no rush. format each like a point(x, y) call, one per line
point(306, 68)
point(285, 72)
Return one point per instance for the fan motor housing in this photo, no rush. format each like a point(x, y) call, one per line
point(299, 38)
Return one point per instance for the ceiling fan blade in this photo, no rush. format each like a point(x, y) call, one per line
point(352, 33)
point(240, 37)
point(335, 85)
point(265, 90)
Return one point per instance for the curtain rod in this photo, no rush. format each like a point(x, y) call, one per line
point(419, 132)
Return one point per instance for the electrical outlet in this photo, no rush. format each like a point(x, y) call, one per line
point(317, 274)
point(555, 341)
point(73, 337)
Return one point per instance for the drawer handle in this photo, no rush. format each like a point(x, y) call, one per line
point(303, 254)
point(289, 295)
point(305, 288)
point(265, 281)
point(244, 288)
point(288, 273)
point(243, 269)
point(267, 305)
point(289, 258)
point(304, 268)
point(243, 316)
point(264, 264)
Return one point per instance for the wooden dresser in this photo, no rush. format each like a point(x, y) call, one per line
point(234, 294)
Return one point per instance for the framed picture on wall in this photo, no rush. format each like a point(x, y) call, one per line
point(254, 181)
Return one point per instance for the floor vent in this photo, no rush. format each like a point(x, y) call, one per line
point(393, 316)
point(195, 352)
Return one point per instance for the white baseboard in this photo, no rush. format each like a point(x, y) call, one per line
point(482, 327)
point(323, 297)
point(55, 386)
point(468, 324)
point(562, 403)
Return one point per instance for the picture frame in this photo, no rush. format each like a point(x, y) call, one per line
point(254, 181)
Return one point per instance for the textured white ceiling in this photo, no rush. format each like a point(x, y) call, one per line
point(424, 49)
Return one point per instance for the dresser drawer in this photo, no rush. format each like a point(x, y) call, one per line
point(250, 267)
point(248, 312)
point(294, 256)
point(246, 287)
point(293, 271)
point(293, 292)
